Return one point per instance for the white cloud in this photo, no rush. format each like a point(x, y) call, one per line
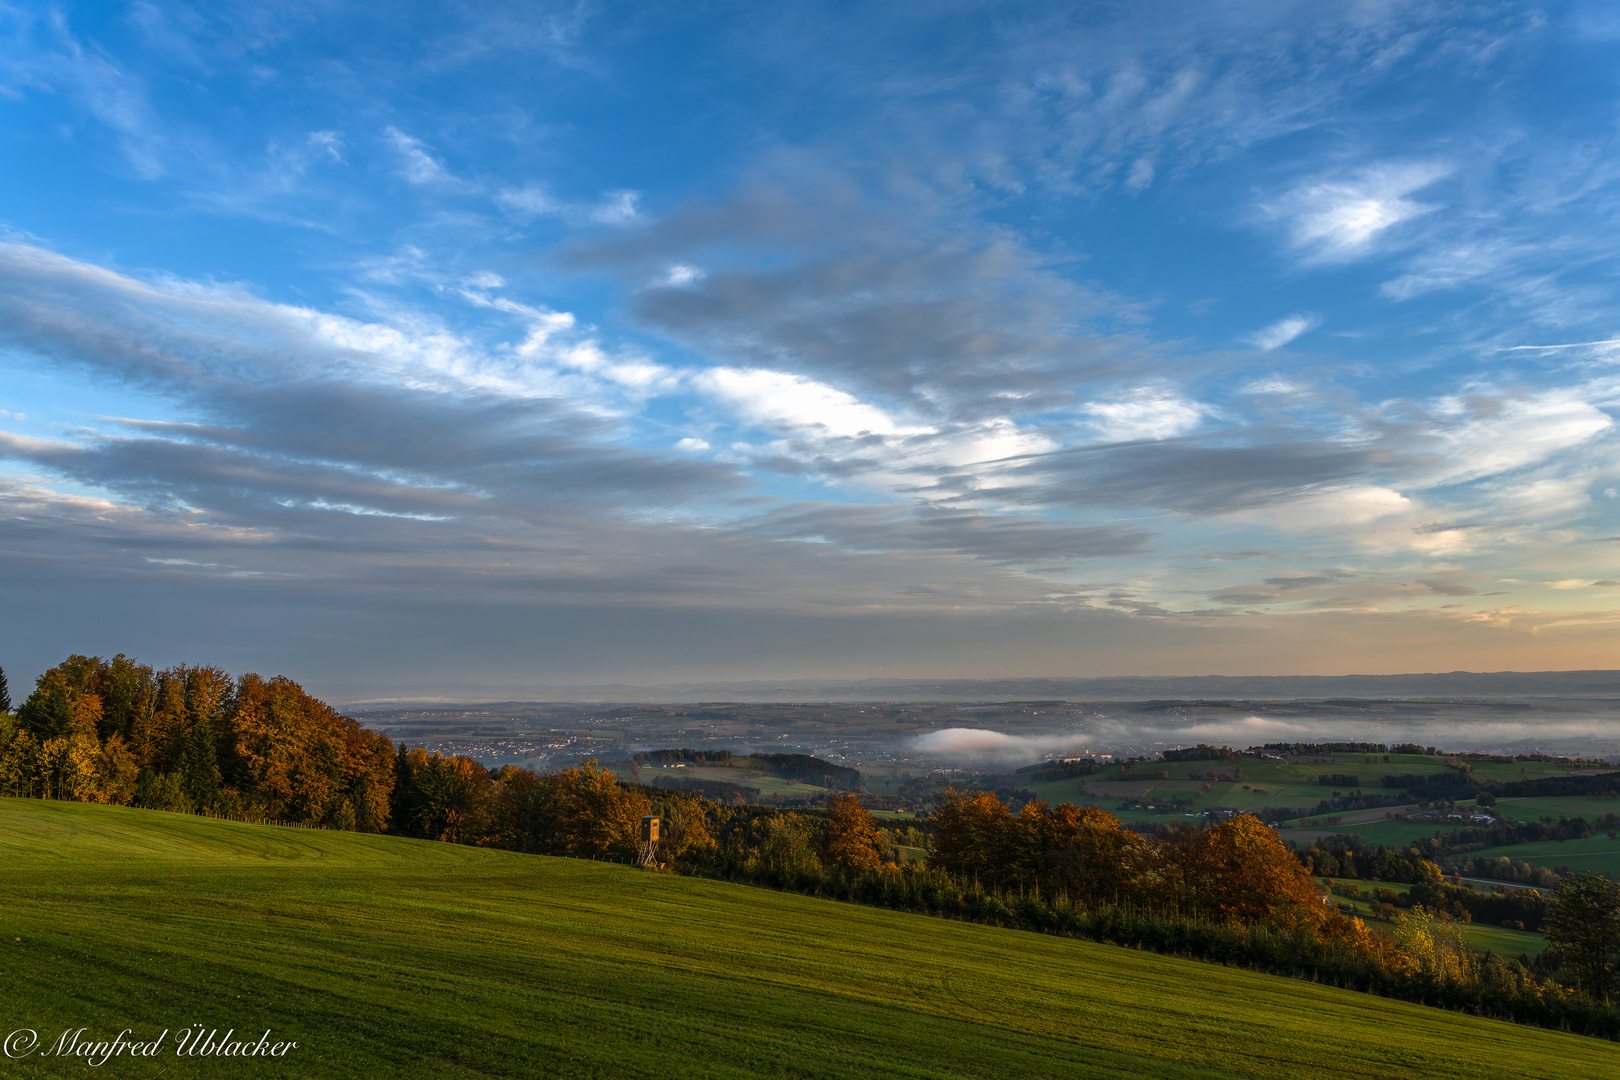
point(993, 440)
point(613, 208)
point(1488, 434)
point(1567, 345)
point(1452, 266)
point(1340, 220)
point(1141, 176)
point(1283, 331)
point(1543, 500)
point(1371, 516)
point(329, 143)
point(418, 165)
point(996, 745)
point(629, 372)
point(1274, 386)
point(780, 399)
point(531, 199)
point(552, 346)
point(682, 274)
point(1149, 413)
point(1339, 508)
point(616, 208)
point(366, 511)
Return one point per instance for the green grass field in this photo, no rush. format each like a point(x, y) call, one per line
point(1516, 770)
point(1374, 834)
point(1530, 809)
point(390, 957)
point(1595, 853)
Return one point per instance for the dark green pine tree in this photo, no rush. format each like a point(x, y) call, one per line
point(48, 712)
point(1583, 923)
point(406, 799)
point(5, 693)
point(199, 767)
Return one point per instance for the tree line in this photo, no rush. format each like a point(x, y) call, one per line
point(1461, 783)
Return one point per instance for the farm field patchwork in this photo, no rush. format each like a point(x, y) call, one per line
point(384, 956)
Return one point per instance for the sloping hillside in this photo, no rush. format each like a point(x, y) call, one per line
point(382, 956)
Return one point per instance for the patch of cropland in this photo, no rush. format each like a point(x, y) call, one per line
point(387, 956)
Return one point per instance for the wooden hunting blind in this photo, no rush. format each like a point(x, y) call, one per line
point(647, 855)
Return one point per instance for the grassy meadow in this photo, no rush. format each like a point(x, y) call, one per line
point(1532, 809)
point(1597, 853)
point(386, 956)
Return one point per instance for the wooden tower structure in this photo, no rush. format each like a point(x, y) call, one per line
point(647, 854)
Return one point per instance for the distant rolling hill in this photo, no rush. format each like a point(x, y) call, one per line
point(389, 957)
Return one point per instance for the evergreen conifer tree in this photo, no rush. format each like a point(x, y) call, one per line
point(199, 767)
point(1583, 922)
point(5, 693)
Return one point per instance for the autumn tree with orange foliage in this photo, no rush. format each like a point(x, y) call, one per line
point(852, 839)
point(1235, 871)
point(304, 761)
point(192, 738)
point(1239, 871)
point(589, 815)
point(1093, 859)
point(582, 812)
point(969, 835)
point(1076, 851)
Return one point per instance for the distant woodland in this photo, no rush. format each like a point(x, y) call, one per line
point(197, 740)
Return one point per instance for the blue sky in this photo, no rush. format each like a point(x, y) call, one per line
point(439, 349)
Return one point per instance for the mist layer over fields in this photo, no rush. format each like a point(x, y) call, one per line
point(1562, 728)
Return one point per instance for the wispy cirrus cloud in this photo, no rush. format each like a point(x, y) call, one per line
point(417, 165)
point(532, 200)
point(1283, 331)
point(1342, 219)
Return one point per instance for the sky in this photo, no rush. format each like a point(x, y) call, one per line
point(466, 350)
